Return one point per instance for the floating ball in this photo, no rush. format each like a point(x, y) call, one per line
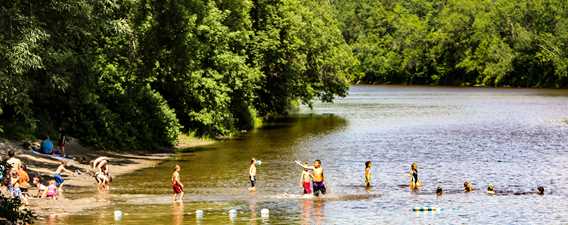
point(117, 215)
point(199, 213)
point(264, 213)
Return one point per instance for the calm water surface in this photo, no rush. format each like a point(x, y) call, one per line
point(512, 138)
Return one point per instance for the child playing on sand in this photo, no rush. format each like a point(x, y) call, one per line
point(414, 182)
point(305, 180)
point(252, 175)
point(40, 187)
point(57, 175)
point(318, 177)
point(368, 174)
point(177, 186)
point(51, 190)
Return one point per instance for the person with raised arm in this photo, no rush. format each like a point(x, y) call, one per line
point(318, 177)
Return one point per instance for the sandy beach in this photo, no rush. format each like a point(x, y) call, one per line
point(78, 160)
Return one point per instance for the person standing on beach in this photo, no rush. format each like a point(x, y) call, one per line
point(318, 177)
point(252, 175)
point(61, 142)
point(177, 186)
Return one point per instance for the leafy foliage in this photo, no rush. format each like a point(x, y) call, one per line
point(458, 42)
point(133, 74)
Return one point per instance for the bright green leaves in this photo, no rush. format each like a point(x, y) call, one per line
point(459, 42)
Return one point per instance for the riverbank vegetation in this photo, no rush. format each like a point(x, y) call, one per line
point(458, 42)
point(135, 73)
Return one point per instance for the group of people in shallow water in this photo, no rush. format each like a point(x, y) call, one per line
point(312, 180)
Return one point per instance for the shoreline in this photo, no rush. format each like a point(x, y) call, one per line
point(80, 192)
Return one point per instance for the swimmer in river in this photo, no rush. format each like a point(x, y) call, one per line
point(318, 177)
point(368, 174)
point(439, 191)
point(414, 182)
point(252, 175)
point(467, 186)
point(540, 190)
point(305, 180)
point(177, 186)
point(490, 189)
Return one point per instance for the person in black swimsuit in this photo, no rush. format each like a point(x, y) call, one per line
point(414, 182)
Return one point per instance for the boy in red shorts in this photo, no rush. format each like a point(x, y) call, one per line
point(306, 179)
point(177, 186)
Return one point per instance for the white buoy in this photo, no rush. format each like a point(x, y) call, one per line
point(117, 215)
point(199, 214)
point(233, 213)
point(264, 213)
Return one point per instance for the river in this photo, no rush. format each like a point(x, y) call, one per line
point(514, 139)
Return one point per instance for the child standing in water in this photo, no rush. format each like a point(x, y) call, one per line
point(318, 177)
point(305, 180)
point(177, 186)
point(252, 175)
point(414, 182)
point(368, 174)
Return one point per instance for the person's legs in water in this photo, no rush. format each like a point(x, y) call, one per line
point(319, 188)
point(252, 182)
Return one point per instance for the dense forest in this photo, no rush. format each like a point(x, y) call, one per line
point(514, 43)
point(136, 73)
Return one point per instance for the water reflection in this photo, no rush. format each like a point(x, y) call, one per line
point(177, 213)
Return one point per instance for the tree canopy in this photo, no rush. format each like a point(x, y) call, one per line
point(136, 73)
point(458, 42)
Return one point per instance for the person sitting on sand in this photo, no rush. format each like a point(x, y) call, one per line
point(51, 190)
point(368, 174)
point(57, 175)
point(252, 175)
point(12, 161)
point(490, 189)
point(414, 182)
point(306, 179)
point(47, 146)
point(23, 178)
point(318, 177)
point(177, 186)
point(40, 187)
point(467, 186)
